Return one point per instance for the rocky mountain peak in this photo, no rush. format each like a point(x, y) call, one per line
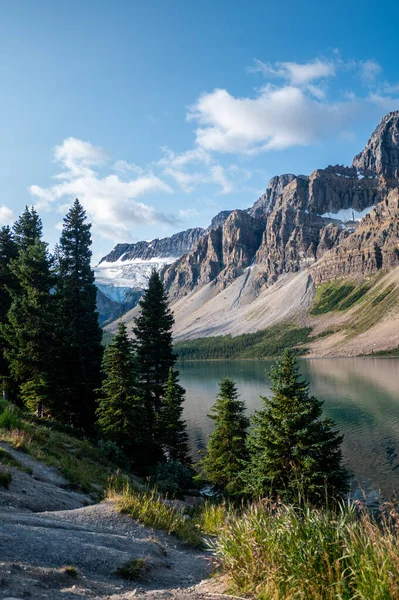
point(265, 204)
point(380, 156)
point(175, 246)
point(219, 219)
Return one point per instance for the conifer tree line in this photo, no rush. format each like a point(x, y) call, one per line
point(51, 356)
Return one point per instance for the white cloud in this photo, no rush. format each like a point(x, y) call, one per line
point(194, 156)
point(298, 74)
point(6, 215)
point(207, 170)
point(77, 157)
point(122, 166)
point(387, 103)
point(369, 71)
point(111, 203)
point(189, 213)
point(188, 181)
point(274, 119)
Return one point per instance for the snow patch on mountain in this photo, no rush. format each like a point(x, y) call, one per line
point(348, 214)
point(116, 279)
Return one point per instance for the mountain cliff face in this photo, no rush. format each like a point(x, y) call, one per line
point(303, 218)
point(295, 222)
point(220, 256)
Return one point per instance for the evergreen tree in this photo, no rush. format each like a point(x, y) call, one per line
point(153, 345)
point(120, 412)
point(79, 332)
point(8, 252)
point(171, 427)
point(27, 228)
point(226, 452)
point(28, 332)
point(293, 453)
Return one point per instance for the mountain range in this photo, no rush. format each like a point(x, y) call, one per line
point(319, 251)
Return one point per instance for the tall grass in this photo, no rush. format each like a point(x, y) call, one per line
point(272, 552)
point(192, 525)
point(149, 508)
point(10, 416)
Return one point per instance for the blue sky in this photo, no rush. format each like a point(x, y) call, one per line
point(159, 113)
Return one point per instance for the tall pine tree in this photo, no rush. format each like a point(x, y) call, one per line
point(294, 454)
point(8, 283)
point(226, 452)
point(27, 228)
point(80, 335)
point(120, 412)
point(153, 345)
point(29, 329)
point(171, 426)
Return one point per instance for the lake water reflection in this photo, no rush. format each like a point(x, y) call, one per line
point(360, 394)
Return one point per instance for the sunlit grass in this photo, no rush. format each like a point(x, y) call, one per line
point(272, 551)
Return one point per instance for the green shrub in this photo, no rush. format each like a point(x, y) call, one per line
point(5, 479)
point(71, 571)
point(133, 569)
point(353, 297)
point(113, 452)
point(172, 477)
point(10, 416)
point(383, 295)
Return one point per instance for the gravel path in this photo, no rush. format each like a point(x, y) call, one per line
point(35, 547)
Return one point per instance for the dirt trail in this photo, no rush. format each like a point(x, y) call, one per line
point(36, 546)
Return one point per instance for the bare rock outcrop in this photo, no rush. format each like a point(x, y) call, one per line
point(373, 246)
point(380, 156)
point(265, 204)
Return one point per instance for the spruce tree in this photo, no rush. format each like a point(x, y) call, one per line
point(8, 252)
point(294, 454)
point(153, 345)
point(79, 332)
point(120, 412)
point(27, 228)
point(171, 427)
point(226, 452)
point(28, 331)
